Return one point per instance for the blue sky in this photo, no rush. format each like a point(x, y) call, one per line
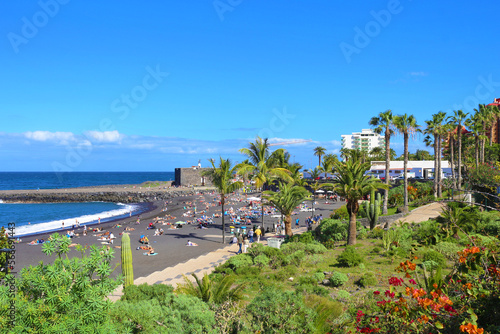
point(140, 86)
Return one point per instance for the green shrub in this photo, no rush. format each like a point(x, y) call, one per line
point(341, 213)
point(376, 250)
point(448, 249)
point(248, 271)
point(297, 257)
point(362, 234)
point(338, 279)
point(180, 314)
point(261, 260)
point(430, 264)
point(291, 247)
point(318, 277)
point(343, 295)
point(427, 233)
point(376, 233)
point(306, 237)
point(312, 289)
point(368, 279)
point(329, 244)
point(239, 261)
point(349, 257)
point(432, 255)
point(331, 229)
point(137, 293)
point(307, 280)
point(492, 228)
point(256, 249)
point(275, 311)
point(315, 248)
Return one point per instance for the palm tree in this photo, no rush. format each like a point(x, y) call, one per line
point(351, 183)
point(457, 119)
point(407, 126)
point(384, 123)
point(263, 165)
point(296, 174)
point(211, 291)
point(286, 200)
point(491, 113)
point(434, 128)
point(314, 173)
point(221, 178)
point(319, 152)
point(475, 125)
point(326, 166)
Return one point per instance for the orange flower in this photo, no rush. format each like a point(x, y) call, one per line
point(471, 329)
point(423, 319)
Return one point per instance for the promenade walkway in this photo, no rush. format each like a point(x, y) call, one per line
point(423, 213)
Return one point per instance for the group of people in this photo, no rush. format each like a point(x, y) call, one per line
point(244, 241)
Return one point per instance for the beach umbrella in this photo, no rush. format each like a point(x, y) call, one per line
point(179, 222)
point(320, 191)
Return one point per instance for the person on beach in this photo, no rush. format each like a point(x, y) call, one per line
point(189, 243)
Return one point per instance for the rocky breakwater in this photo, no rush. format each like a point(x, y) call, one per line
point(94, 195)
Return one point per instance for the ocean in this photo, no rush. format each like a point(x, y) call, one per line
point(37, 218)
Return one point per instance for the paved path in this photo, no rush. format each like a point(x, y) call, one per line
point(200, 265)
point(423, 213)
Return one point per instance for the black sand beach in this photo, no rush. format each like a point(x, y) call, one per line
point(170, 247)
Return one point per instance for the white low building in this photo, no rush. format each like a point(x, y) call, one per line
point(421, 169)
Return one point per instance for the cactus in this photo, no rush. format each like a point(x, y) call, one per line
point(372, 209)
point(127, 269)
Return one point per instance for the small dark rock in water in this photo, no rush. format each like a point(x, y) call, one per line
point(326, 282)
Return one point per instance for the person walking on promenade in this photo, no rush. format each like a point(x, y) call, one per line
point(246, 243)
point(297, 223)
point(258, 233)
point(240, 242)
point(250, 235)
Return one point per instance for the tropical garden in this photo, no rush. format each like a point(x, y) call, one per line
point(347, 275)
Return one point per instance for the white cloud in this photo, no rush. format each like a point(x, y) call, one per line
point(59, 137)
point(104, 136)
point(418, 74)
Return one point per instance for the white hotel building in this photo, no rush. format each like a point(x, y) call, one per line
point(366, 140)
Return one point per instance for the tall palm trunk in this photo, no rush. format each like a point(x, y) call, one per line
point(222, 201)
point(452, 158)
point(405, 166)
point(387, 168)
point(436, 168)
point(459, 164)
point(262, 207)
point(352, 209)
point(476, 149)
point(440, 172)
point(288, 225)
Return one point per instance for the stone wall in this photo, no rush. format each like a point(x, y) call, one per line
point(191, 177)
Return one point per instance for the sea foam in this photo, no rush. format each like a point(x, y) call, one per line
point(56, 225)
